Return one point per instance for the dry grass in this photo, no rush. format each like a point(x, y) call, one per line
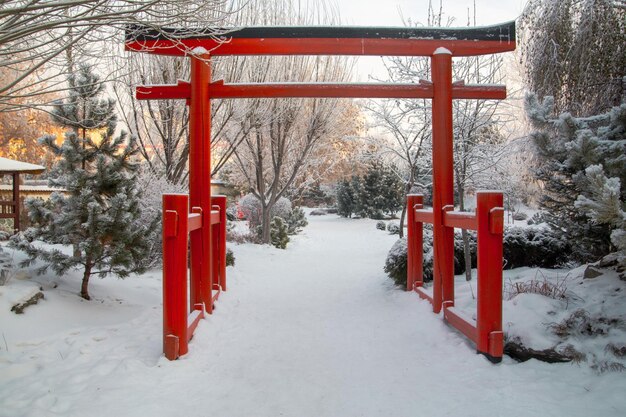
point(540, 284)
point(580, 322)
point(618, 351)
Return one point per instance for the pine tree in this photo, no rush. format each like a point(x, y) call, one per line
point(583, 171)
point(278, 233)
point(99, 214)
point(346, 205)
point(370, 194)
point(392, 191)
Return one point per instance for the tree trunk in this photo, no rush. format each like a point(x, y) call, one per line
point(402, 215)
point(465, 236)
point(84, 289)
point(407, 190)
point(265, 224)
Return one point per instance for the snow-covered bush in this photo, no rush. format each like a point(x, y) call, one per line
point(318, 212)
point(380, 225)
point(520, 216)
point(393, 228)
point(251, 208)
point(231, 212)
point(230, 257)
point(533, 247)
point(581, 164)
point(317, 195)
point(153, 187)
point(396, 262)
point(278, 233)
point(5, 266)
point(296, 221)
point(522, 247)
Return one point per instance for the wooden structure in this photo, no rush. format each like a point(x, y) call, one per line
point(201, 45)
point(10, 209)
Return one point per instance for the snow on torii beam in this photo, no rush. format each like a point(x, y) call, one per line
point(323, 40)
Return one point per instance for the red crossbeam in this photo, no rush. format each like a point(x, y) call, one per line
point(459, 219)
point(219, 89)
point(424, 215)
point(194, 222)
point(321, 46)
point(462, 323)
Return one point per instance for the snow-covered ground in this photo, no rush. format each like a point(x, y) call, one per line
point(314, 330)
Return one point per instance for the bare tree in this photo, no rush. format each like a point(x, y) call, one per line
point(36, 35)
point(476, 123)
point(280, 135)
point(283, 134)
point(575, 51)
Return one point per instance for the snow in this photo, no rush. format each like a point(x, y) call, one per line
point(10, 165)
point(199, 50)
point(442, 50)
point(313, 330)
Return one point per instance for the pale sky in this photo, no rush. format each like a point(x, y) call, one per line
point(392, 13)
point(389, 12)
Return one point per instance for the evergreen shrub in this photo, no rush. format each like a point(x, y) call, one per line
point(393, 228)
point(230, 257)
point(380, 225)
point(278, 233)
point(522, 247)
point(296, 221)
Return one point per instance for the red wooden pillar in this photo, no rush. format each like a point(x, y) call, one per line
point(415, 239)
point(200, 179)
point(490, 224)
point(175, 310)
point(443, 178)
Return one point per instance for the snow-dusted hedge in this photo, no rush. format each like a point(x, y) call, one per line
point(296, 221)
point(153, 187)
point(393, 228)
point(522, 247)
point(251, 208)
point(534, 247)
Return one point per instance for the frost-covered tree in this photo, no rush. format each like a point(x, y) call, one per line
point(477, 124)
point(582, 166)
point(378, 192)
point(575, 51)
point(603, 203)
point(346, 197)
point(99, 213)
point(38, 34)
point(283, 135)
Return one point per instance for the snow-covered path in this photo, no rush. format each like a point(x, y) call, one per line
point(316, 330)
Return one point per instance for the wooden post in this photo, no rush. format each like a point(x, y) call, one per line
point(16, 202)
point(443, 175)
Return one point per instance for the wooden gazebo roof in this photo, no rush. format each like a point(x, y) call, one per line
point(11, 209)
point(10, 166)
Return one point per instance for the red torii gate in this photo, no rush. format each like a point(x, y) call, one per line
point(441, 44)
